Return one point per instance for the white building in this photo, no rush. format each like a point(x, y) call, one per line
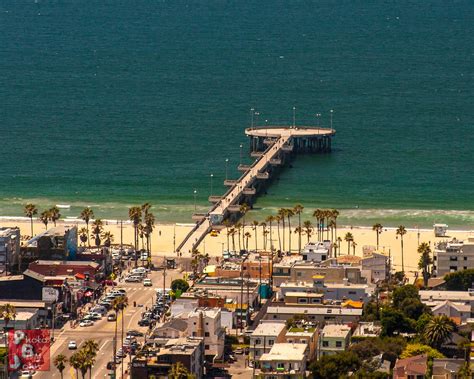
point(375, 267)
point(206, 322)
point(334, 339)
point(316, 252)
point(265, 335)
point(453, 256)
point(285, 360)
point(9, 248)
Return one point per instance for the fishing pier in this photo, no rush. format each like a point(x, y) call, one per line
point(272, 147)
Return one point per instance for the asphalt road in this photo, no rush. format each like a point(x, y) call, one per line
point(103, 331)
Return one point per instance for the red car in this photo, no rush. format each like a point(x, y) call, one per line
point(109, 282)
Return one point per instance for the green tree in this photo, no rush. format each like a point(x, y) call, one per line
point(44, 217)
point(348, 238)
point(459, 280)
point(135, 216)
point(394, 321)
point(401, 231)
point(75, 360)
point(90, 348)
point(83, 235)
point(54, 214)
point(97, 227)
point(414, 308)
point(403, 292)
point(377, 228)
point(308, 229)
point(30, 210)
point(178, 371)
point(86, 215)
point(335, 366)
point(425, 261)
point(438, 330)
point(108, 238)
point(255, 225)
point(422, 321)
point(297, 210)
point(413, 349)
point(179, 285)
point(60, 363)
point(289, 214)
point(118, 304)
point(334, 216)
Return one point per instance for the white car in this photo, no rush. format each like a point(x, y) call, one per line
point(147, 283)
point(86, 323)
point(72, 345)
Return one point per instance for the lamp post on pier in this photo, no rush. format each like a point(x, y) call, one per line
point(294, 117)
point(212, 176)
point(226, 167)
point(241, 146)
point(252, 112)
point(331, 112)
point(318, 115)
point(195, 194)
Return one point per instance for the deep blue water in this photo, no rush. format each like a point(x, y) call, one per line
point(112, 103)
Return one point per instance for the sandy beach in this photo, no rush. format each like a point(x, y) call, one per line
point(166, 236)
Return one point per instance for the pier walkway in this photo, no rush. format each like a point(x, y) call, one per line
point(271, 146)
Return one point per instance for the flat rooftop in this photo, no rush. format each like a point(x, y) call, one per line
point(336, 331)
point(285, 352)
point(268, 329)
point(298, 131)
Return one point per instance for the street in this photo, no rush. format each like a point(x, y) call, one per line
point(103, 331)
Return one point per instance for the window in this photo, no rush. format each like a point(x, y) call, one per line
point(338, 344)
point(453, 268)
point(302, 300)
point(325, 344)
point(271, 342)
point(206, 347)
point(290, 341)
point(258, 341)
point(298, 273)
point(280, 365)
point(323, 257)
point(275, 317)
point(352, 292)
point(206, 334)
point(194, 334)
point(207, 323)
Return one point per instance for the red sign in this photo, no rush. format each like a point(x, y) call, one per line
point(28, 350)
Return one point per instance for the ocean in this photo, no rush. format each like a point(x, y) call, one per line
point(115, 103)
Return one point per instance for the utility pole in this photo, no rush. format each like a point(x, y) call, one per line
point(164, 278)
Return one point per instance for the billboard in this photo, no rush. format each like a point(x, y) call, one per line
point(28, 350)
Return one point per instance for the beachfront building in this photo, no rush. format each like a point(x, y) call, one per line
point(316, 251)
point(262, 339)
point(453, 256)
point(56, 243)
point(285, 360)
point(9, 249)
point(333, 339)
point(375, 267)
point(206, 323)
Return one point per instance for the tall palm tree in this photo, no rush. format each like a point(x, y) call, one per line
point(308, 229)
point(438, 330)
point(297, 210)
point(263, 224)
point(425, 261)
point(317, 214)
point(44, 218)
point(54, 214)
point(141, 234)
point(354, 244)
point(97, 227)
point(270, 219)
point(278, 221)
point(377, 228)
point(289, 214)
point(83, 235)
point(108, 238)
point(255, 224)
point(87, 214)
point(232, 232)
point(282, 215)
point(247, 236)
point(401, 231)
point(75, 361)
point(91, 348)
point(339, 240)
point(238, 228)
point(244, 208)
point(135, 215)
point(118, 304)
point(335, 215)
point(60, 363)
point(149, 226)
point(348, 238)
point(327, 217)
point(30, 210)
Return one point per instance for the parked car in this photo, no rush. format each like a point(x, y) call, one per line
point(135, 333)
point(72, 345)
point(147, 283)
point(111, 317)
point(120, 353)
point(133, 279)
point(85, 323)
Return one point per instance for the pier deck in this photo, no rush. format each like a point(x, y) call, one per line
point(273, 144)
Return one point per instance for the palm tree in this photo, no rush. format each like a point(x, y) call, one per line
point(178, 371)
point(30, 210)
point(60, 363)
point(149, 226)
point(297, 210)
point(308, 229)
point(317, 214)
point(401, 231)
point(238, 228)
point(86, 361)
point(255, 224)
point(97, 227)
point(141, 234)
point(269, 220)
point(87, 214)
point(75, 361)
point(247, 236)
point(264, 233)
point(339, 240)
point(289, 215)
point(377, 228)
point(335, 215)
point(44, 218)
point(118, 304)
point(227, 228)
point(438, 330)
point(108, 238)
point(91, 348)
point(83, 235)
point(278, 220)
point(54, 214)
point(244, 208)
point(425, 261)
point(332, 225)
point(348, 238)
point(281, 215)
point(327, 217)
point(232, 232)
point(354, 244)
point(7, 313)
point(135, 215)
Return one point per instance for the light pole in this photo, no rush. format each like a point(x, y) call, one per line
point(226, 167)
point(318, 115)
point(252, 112)
point(241, 146)
point(195, 194)
point(212, 176)
point(294, 117)
point(256, 121)
point(330, 112)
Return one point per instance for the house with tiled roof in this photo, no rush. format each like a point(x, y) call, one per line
point(411, 368)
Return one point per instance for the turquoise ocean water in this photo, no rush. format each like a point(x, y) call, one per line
point(113, 103)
